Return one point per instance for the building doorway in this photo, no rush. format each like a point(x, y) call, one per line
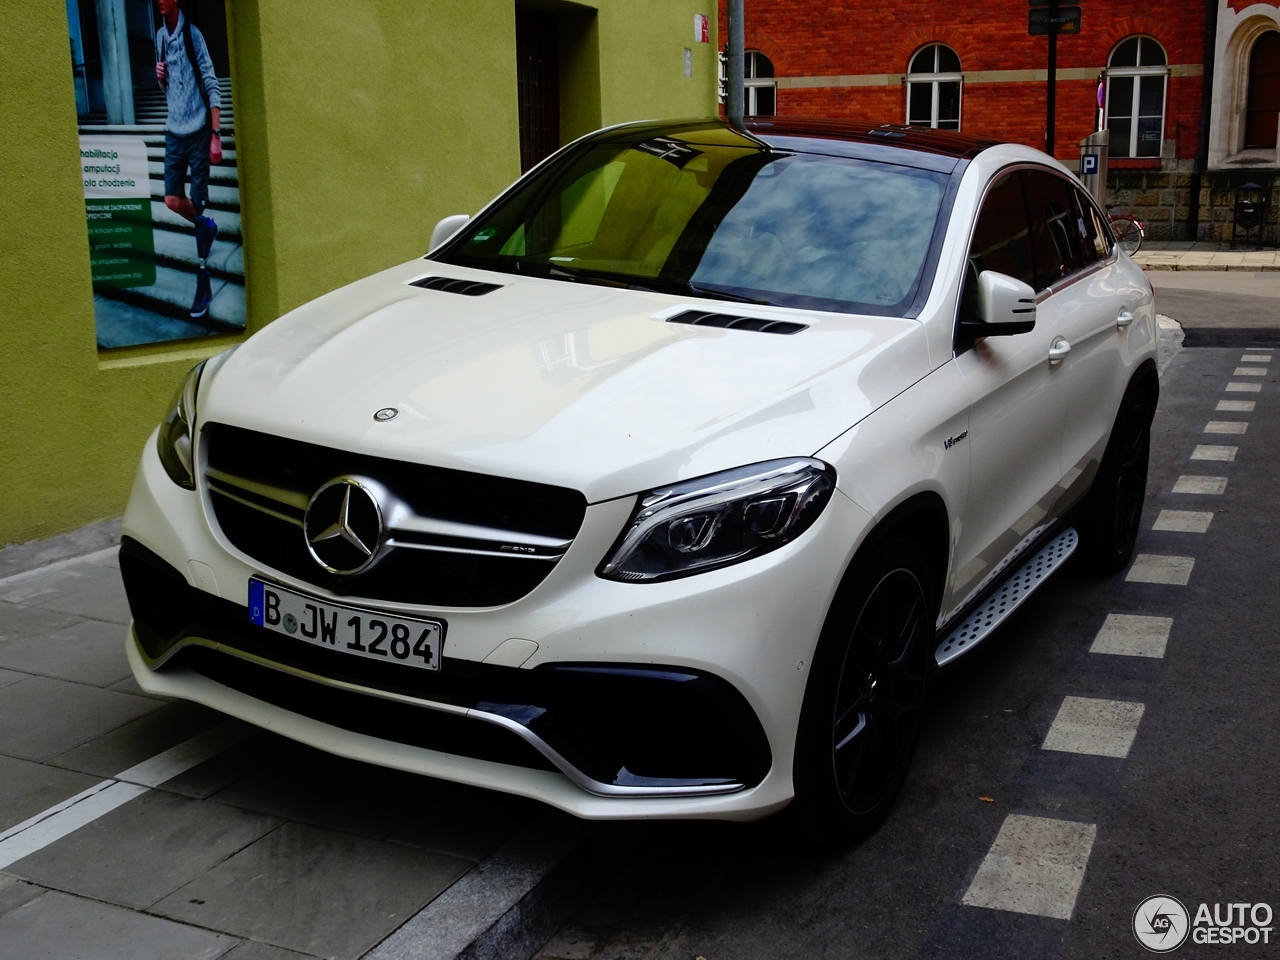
point(538, 85)
point(1264, 93)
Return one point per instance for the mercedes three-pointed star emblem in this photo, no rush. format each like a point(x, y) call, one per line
point(343, 525)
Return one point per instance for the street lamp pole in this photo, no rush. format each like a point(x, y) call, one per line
point(735, 95)
point(1051, 93)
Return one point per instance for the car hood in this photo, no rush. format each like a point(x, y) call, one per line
point(573, 384)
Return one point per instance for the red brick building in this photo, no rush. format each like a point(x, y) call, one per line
point(972, 66)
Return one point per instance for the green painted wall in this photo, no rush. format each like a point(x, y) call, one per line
point(359, 124)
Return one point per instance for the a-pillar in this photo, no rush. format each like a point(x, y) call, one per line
point(117, 79)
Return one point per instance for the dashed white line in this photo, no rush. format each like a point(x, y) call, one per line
point(1256, 358)
point(1209, 451)
point(36, 833)
point(1183, 521)
point(1236, 406)
point(1100, 728)
point(1187, 483)
point(1131, 635)
point(1250, 372)
point(1151, 568)
point(1235, 387)
point(1035, 866)
point(1226, 426)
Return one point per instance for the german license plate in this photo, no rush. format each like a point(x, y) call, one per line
point(363, 633)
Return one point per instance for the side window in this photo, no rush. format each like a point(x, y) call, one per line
point(1056, 243)
point(1100, 235)
point(1001, 241)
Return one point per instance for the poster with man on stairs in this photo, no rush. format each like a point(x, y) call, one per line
point(158, 158)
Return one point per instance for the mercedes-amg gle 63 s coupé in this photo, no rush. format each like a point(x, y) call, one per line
point(665, 484)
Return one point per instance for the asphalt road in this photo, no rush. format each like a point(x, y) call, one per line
point(1190, 810)
point(1221, 308)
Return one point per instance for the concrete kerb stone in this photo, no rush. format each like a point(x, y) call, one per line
point(510, 904)
point(94, 538)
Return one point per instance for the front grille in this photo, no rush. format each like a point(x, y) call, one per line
point(260, 484)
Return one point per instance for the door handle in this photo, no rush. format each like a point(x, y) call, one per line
point(1059, 349)
point(1124, 317)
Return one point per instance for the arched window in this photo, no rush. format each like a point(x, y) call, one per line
point(933, 88)
point(761, 88)
point(1264, 93)
point(1136, 77)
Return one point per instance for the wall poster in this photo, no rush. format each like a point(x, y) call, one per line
point(158, 159)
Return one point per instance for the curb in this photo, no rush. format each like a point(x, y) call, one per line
point(510, 904)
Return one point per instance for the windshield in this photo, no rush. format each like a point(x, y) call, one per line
point(730, 221)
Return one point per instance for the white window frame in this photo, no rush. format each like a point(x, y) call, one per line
point(1137, 72)
point(752, 84)
point(934, 79)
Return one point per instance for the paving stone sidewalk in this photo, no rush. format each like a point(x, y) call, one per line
point(1174, 255)
point(268, 850)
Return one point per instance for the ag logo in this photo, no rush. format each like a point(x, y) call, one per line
point(1161, 924)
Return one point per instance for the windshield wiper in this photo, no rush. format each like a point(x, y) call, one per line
point(656, 285)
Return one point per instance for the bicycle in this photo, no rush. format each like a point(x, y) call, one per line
point(1128, 230)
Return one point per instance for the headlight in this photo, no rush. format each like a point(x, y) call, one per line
point(174, 442)
point(714, 521)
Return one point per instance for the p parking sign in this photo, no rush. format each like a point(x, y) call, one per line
point(1089, 164)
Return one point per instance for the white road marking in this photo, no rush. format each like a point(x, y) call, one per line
point(1100, 728)
point(1183, 521)
point(1188, 483)
point(69, 819)
point(1250, 372)
point(1130, 635)
point(1150, 568)
point(1035, 866)
point(1256, 358)
point(190, 753)
point(1208, 451)
point(36, 833)
point(1236, 406)
point(1234, 387)
point(1226, 426)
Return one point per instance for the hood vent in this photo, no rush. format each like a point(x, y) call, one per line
point(703, 319)
point(468, 288)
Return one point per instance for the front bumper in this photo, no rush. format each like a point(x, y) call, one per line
point(656, 700)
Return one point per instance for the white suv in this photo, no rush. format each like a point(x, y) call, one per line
point(664, 485)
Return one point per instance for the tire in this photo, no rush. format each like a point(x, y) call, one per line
point(1112, 512)
point(1128, 234)
point(867, 693)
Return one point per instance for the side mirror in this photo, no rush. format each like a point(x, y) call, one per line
point(1005, 307)
point(446, 229)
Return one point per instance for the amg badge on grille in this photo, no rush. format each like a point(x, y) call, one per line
point(343, 525)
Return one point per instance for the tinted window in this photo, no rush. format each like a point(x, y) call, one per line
point(733, 220)
point(1001, 240)
point(1056, 240)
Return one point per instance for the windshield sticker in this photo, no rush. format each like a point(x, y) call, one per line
point(483, 235)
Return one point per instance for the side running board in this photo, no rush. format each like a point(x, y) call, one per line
point(1008, 597)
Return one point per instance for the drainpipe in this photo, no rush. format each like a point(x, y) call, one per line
point(735, 100)
point(1206, 115)
point(117, 79)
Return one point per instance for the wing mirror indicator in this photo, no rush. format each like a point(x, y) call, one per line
point(1006, 306)
point(447, 229)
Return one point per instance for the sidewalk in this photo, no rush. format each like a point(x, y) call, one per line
point(1185, 255)
point(132, 827)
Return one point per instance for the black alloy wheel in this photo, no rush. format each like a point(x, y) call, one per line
point(1113, 511)
point(866, 697)
point(881, 692)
